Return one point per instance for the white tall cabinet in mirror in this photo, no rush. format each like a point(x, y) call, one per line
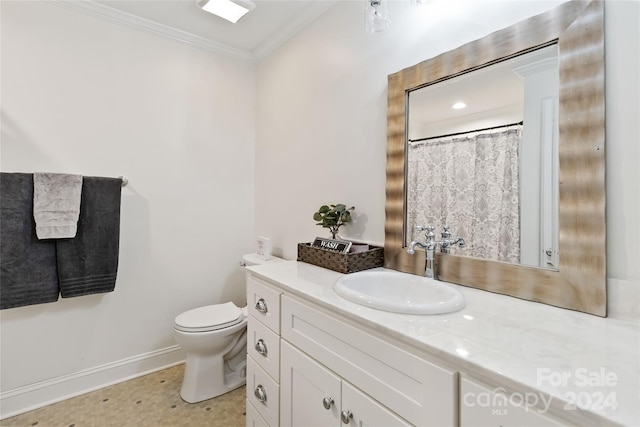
point(539, 163)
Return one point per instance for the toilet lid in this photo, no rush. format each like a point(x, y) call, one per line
point(209, 318)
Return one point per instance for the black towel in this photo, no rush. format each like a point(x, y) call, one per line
point(88, 263)
point(28, 265)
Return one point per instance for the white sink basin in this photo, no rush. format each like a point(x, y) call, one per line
point(398, 292)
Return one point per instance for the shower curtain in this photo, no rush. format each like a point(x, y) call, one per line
point(469, 182)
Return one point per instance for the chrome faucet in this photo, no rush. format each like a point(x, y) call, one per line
point(447, 242)
point(430, 246)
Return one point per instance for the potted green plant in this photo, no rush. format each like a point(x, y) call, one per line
point(333, 217)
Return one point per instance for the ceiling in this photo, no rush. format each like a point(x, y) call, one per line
point(257, 34)
point(490, 91)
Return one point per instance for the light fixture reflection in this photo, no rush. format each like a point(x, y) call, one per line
point(462, 352)
point(231, 10)
point(459, 105)
point(377, 16)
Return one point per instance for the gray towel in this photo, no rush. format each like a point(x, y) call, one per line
point(28, 265)
point(56, 204)
point(88, 263)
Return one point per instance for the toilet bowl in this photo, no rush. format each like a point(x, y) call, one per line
point(214, 338)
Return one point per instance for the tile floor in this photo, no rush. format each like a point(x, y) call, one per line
point(149, 401)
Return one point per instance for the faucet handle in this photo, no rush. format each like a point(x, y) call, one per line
point(431, 236)
point(446, 234)
point(429, 229)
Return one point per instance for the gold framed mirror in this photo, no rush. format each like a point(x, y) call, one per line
point(579, 283)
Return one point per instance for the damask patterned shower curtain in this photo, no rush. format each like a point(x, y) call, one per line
point(469, 182)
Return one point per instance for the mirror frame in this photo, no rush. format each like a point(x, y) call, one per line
point(580, 281)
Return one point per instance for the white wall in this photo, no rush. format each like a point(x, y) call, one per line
point(322, 105)
point(321, 121)
point(622, 45)
point(84, 95)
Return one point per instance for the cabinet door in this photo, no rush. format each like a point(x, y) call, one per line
point(310, 393)
point(422, 392)
point(361, 410)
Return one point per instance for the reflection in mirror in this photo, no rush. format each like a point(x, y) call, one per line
point(482, 157)
point(578, 279)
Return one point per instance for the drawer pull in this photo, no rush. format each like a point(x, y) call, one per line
point(260, 393)
point(346, 416)
point(261, 306)
point(327, 402)
point(261, 347)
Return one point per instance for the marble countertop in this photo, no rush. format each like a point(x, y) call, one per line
point(572, 357)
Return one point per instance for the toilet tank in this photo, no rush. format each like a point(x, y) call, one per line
point(255, 259)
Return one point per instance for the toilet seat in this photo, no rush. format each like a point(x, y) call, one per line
point(209, 318)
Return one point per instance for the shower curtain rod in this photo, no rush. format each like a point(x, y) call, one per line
point(463, 133)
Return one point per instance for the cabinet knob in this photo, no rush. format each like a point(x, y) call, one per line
point(346, 416)
point(261, 347)
point(261, 306)
point(260, 393)
point(327, 402)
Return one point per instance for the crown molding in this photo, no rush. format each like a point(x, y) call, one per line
point(99, 10)
point(91, 8)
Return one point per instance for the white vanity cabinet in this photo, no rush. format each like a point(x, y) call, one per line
point(317, 396)
point(310, 367)
point(310, 348)
point(263, 353)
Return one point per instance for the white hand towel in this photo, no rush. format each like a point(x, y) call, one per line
point(56, 204)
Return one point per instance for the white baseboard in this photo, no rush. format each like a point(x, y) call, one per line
point(23, 399)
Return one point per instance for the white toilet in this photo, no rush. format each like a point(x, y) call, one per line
point(215, 340)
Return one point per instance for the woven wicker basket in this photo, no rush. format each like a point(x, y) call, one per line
point(343, 263)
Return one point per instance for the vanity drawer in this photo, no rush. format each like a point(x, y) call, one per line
point(263, 393)
point(263, 345)
point(263, 302)
point(423, 393)
point(254, 419)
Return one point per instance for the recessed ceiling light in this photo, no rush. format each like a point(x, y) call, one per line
point(459, 105)
point(231, 10)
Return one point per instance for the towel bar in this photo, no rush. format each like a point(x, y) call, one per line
point(125, 180)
